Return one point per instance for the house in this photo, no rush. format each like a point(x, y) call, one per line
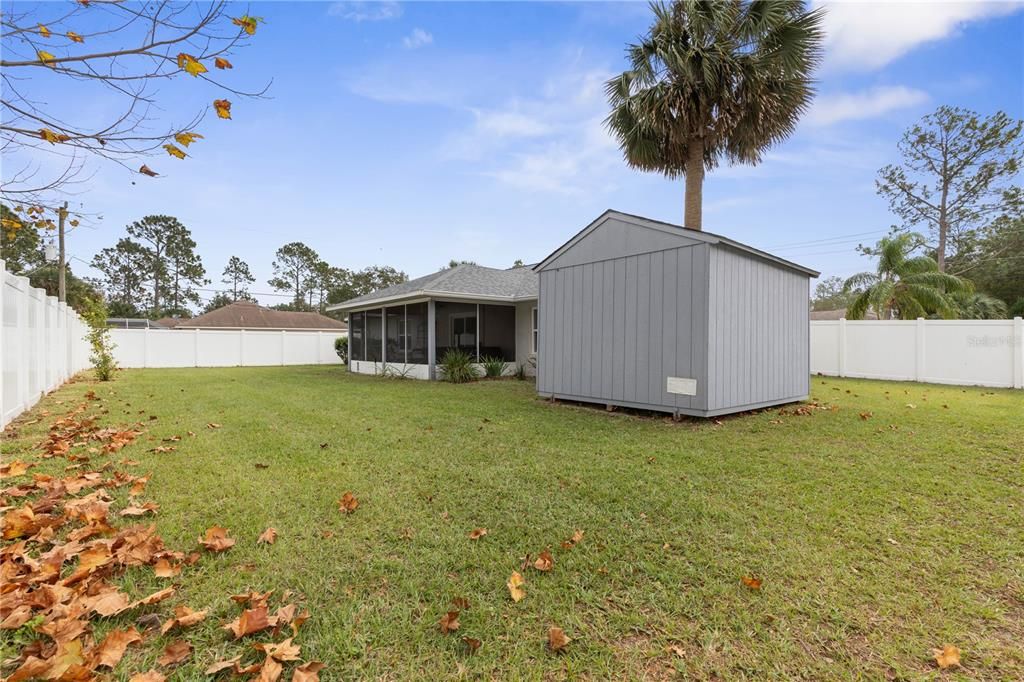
point(630, 312)
point(838, 314)
point(251, 316)
point(486, 312)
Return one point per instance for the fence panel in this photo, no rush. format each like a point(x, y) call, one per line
point(222, 347)
point(964, 352)
point(42, 344)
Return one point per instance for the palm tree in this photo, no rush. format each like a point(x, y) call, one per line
point(979, 306)
point(904, 286)
point(714, 80)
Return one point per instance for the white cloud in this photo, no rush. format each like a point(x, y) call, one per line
point(418, 38)
point(366, 11)
point(509, 124)
point(863, 36)
point(852, 106)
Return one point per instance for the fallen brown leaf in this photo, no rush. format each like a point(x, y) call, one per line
point(308, 672)
point(557, 639)
point(477, 533)
point(751, 582)
point(449, 622)
point(515, 586)
point(348, 503)
point(545, 562)
point(216, 539)
point(175, 652)
point(112, 648)
point(947, 657)
point(268, 536)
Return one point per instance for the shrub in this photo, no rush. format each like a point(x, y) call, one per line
point(1017, 309)
point(341, 348)
point(521, 372)
point(94, 311)
point(493, 367)
point(457, 367)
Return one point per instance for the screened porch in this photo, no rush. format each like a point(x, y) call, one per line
point(413, 338)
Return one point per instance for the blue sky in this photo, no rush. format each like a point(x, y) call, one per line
point(409, 134)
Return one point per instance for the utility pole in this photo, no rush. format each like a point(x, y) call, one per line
point(62, 292)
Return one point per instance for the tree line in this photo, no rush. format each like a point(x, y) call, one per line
point(958, 250)
point(155, 271)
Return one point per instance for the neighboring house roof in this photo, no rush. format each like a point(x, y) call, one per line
point(171, 322)
point(462, 281)
point(837, 314)
point(671, 228)
point(248, 315)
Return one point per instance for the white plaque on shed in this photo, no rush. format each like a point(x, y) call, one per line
point(682, 385)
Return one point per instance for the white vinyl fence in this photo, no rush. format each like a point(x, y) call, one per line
point(42, 344)
point(222, 347)
point(965, 352)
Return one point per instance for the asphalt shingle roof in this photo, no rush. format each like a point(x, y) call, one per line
point(246, 315)
point(463, 280)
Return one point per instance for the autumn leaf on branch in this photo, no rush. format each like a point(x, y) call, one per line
point(174, 151)
point(43, 31)
point(45, 57)
point(52, 137)
point(185, 139)
point(190, 64)
point(223, 108)
point(247, 23)
point(74, 37)
point(222, 63)
point(146, 170)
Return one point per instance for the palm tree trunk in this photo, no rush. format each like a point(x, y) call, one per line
point(692, 216)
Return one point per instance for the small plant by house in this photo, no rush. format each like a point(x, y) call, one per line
point(494, 367)
point(341, 348)
point(457, 367)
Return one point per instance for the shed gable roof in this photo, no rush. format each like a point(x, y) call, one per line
point(614, 227)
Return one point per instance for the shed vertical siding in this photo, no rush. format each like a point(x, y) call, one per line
point(620, 327)
point(758, 348)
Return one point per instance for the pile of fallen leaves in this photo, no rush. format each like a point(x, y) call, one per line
point(62, 552)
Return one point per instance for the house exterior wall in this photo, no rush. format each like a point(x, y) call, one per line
point(758, 331)
point(614, 330)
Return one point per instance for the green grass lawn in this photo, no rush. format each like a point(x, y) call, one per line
point(877, 539)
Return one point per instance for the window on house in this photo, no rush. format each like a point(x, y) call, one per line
point(374, 334)
point(395, 345)
point(535, 336)
point(416, 329)
point(356, 327)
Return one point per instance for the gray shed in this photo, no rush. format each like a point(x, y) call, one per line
point(638, 313)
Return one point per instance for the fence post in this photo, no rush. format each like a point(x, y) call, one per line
point(842, 346)
point(195, 347)
point(1017, 344)
point(283, 341)
point(241, 348)
point(919, 349)
point(319, 348)
point(145, 347)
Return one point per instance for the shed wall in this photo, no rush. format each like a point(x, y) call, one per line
point(614, 330)
point(758, 350)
